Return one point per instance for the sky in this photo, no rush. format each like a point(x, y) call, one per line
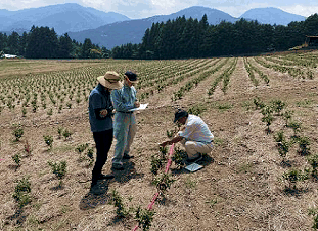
point(136, 9)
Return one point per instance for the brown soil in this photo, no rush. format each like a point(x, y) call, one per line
point(240, 186)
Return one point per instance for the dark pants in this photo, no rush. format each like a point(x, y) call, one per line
point(103, 141)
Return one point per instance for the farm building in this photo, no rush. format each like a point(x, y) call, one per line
point(9, 56)
point(312, 40)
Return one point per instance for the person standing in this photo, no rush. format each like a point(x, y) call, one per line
point(100, 112)
point(196, 136)
point(125, 127)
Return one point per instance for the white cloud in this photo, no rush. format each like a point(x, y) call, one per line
point(301, 10)
point(148, 8)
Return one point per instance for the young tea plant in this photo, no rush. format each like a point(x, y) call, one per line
point(179, 157)
point(156, 164)
point(21, 192)
point(287, 116)
point(18, 133)
point(58, 169)
point(163, 183)
point(90, 155)
point(304, 148)
point(144, 218)
point(278, 106)
point(121, 211)
point(313, 160)
point(281, 144)
point(60, 132)
point(292, 177)
point(67, 134)
point(314, 212)
point(48, 140)
point(267, 117)
point(17, 158)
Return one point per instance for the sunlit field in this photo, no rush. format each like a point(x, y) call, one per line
point(261, 175)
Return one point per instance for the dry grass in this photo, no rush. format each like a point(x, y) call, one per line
point(239, 188)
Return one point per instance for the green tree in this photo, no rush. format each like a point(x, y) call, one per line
point(65, 47)
point(42, 43)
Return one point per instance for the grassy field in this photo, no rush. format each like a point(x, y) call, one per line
point(261, 174)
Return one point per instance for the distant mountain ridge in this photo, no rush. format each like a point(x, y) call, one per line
point(61, 17)
point(272, 16)
point(113, 29)
point(132, 31)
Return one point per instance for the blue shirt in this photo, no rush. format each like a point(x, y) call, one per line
point(196, 130)
point(124, 99)
point(99, 99)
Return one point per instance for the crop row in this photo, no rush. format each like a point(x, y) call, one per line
point(292, 71)
point(225, 76)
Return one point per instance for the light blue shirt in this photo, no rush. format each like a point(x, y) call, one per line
point(196, 130)
point(124, 99)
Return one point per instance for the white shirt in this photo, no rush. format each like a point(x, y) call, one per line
point(196, 130)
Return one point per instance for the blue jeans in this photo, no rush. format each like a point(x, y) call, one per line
point(125, 131)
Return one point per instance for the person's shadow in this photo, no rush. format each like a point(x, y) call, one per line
point(99, 195)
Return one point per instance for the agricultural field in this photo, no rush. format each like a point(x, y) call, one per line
point(261, 175)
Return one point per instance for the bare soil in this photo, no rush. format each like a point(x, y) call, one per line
point(240, 186)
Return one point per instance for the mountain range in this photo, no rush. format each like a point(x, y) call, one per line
point(113, 29)
point(61, 17)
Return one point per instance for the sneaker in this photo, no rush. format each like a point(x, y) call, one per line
point(127, 156)
point(193, 160)
point(118, 167)
point(105, 177)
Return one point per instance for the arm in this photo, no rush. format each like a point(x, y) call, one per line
point(173, 141)
point(118, 103)
point(99, 112)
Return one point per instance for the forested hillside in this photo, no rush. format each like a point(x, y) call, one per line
point(176, 39)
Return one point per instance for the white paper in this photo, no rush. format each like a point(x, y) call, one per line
point(141, 107)
point(193, 167)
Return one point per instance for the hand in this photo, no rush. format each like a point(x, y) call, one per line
point(137, 104)
point(103, 113)
point(164, 143)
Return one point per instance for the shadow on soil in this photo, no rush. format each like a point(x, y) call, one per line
point(124, 176)
point(98, 195)
point(19, 217)
point(205, 161)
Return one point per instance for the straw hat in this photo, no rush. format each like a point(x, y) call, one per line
point(110, 80)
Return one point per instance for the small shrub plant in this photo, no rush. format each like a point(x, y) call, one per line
point(117, 199)
point(22, 192)
point(48, 139)
point(58, 169)
point(17, 158)
point(18, 133)
point(144, 218)
point(304, 148)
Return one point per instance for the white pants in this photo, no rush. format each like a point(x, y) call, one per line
point(193, 148)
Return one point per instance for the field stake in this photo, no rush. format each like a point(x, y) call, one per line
point(156, 195)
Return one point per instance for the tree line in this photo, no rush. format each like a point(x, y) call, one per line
point(180, 38)
point(44, 43)
point(191, 38)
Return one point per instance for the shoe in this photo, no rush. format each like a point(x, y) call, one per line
point(105, 177)
point(127, 156)
point(96, 190)
point(118, 167)
point(193, 160)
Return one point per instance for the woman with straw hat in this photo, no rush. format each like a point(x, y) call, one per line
point(100, 112)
